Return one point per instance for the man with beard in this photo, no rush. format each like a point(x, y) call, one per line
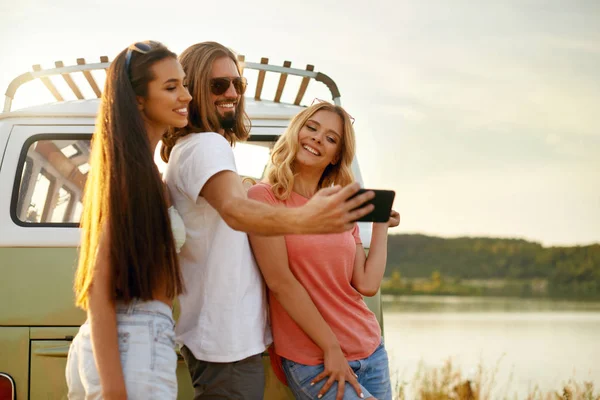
point(223, 326)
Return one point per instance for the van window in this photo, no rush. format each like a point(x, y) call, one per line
point(251, 158)
point(52, 180)
point(54, 171)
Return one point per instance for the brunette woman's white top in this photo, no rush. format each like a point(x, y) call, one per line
point(224, 309)
point(178, 228)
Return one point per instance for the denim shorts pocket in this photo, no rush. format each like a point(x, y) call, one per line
point(289, 364)
point(164, 334)
point(302, 374)
point(123, 337)
point(164, 357)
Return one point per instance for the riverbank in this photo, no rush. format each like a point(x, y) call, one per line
point(477, 304)
point(439, 285)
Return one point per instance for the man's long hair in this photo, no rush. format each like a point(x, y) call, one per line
point(124, 194)
point(197, 62)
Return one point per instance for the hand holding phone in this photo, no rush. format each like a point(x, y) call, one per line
point(394, 219)
point(383, 201)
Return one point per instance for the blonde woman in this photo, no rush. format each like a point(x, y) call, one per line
point(321, 325)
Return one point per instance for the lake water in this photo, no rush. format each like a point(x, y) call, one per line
point(526, 342)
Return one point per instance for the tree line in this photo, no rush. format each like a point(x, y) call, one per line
point(569, 271)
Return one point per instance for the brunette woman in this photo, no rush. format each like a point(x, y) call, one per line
point(128, 273)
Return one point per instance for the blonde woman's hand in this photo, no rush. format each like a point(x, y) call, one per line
point(337, 369)
point(394, 219)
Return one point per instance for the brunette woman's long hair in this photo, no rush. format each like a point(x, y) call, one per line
point(124, 194)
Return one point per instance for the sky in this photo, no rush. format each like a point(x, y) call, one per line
point(482, 116)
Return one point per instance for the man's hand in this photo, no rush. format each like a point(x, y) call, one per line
point(337, 369)
point(330, 211)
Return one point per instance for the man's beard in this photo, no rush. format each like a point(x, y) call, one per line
point(227, 121)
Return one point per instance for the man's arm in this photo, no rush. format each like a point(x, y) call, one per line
point(327, 212)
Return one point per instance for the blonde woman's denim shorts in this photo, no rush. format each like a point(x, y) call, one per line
point(373, 377)
point(147, 350)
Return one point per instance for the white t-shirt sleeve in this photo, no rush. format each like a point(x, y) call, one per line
point(205, 155)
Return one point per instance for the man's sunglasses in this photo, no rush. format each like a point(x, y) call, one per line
point(218, 86)
point(317, 101)
point(140, 47)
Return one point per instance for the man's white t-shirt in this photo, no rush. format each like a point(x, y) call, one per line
point(224, 309)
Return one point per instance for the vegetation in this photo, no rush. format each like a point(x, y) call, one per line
point(448, 383)
point(419, 264)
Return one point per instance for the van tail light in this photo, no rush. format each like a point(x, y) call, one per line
point(7, 387)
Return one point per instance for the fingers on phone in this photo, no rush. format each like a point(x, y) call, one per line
point(348, 191)
point(359, 200)
point(357, 214)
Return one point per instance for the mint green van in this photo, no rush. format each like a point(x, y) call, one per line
point(44, 160)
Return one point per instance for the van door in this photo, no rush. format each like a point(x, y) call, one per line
point(42, 178)
point(44, 170)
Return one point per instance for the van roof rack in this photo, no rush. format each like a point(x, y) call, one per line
point(263, 67)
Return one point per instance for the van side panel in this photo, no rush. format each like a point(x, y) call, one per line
point(42, 285)
point(4, 133)
point(48, 362)
point(14, 356)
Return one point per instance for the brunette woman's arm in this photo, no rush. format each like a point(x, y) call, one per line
point(368, 271)
point(103, 319)
point(271, 256)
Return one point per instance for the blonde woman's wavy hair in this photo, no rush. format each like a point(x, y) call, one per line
point(280, 172)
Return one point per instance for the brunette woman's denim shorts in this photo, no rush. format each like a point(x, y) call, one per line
point(373, 376)
point(147, 349)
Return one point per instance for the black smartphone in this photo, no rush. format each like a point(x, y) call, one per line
point(383, 201)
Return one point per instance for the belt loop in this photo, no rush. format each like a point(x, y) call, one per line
point(131, 307)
